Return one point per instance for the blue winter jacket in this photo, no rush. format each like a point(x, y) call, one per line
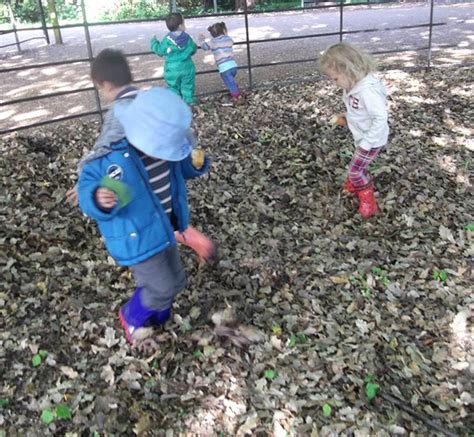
point(141, 228)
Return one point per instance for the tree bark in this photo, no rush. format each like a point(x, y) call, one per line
point(239, 4)
point(53, 16)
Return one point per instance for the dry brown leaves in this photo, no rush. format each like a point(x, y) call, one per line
point(334, 299)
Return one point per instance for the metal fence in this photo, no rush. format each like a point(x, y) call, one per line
point(249, 67)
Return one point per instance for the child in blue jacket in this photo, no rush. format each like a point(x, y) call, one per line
point(137, 193)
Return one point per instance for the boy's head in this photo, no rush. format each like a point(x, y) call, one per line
point(217, 29)
point(174, 22)
point(346, 64)
point(110, 72)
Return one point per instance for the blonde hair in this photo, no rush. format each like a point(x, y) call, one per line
point(347, 60)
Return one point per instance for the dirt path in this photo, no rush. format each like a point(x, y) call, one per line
point(134, 38)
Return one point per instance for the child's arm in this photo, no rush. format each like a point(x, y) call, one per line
point(376, 105)
point(202, 40)
point(157, 47)
point(190, 172)
point(96, 202)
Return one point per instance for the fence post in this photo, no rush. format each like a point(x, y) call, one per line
point(430, 37)
point(341, 18)
point(43, 21)
point(91, 56)
point(247, 37)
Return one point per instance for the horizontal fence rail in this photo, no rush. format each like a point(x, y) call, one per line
point(254, 41)
point(220, 14)
point(247, 42)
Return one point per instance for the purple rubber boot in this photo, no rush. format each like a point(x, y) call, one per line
point(134, 315)
point(160, 317)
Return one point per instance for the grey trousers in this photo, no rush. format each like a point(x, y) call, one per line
point(162, 277)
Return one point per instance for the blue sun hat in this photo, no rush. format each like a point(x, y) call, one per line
point(158, 123)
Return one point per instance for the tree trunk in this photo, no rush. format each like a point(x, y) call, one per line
point(239, 4)
point(53, 16)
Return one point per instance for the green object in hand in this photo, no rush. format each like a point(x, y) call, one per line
point(121, 190)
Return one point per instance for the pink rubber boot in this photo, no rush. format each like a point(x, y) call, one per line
point(197, 241)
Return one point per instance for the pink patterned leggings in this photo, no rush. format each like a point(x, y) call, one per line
point(357, 172)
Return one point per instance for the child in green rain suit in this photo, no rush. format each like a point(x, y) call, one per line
point(177, 48)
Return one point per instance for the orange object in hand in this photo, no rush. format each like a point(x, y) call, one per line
point(197, 157)
point(338, 120)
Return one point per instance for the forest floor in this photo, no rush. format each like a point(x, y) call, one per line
point(361, 328)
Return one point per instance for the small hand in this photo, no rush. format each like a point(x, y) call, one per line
point(201, 37)
point(71, 196)
point(198, 158)
point(105, 198)
point(338, 120)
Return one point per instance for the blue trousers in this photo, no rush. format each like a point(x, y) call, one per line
point(228, 77)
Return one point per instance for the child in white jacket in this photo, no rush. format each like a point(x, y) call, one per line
point(366, 104)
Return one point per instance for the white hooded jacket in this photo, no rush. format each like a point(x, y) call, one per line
point(366, 115)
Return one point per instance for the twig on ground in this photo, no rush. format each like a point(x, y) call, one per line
point(426, 420)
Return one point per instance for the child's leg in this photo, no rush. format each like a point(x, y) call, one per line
point(360, 180)
point(174, 83)
point(357, 173)
point(187, 88)
point(162, 277)
point(228, 78)
point(159, 279)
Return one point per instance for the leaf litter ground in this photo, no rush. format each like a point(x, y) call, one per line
point(346, 309)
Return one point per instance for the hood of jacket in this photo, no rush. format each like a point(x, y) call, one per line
point(111, 132)
point(179, 38)
point(369, 81)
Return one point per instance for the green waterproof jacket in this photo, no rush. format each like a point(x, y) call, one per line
point(178, 60)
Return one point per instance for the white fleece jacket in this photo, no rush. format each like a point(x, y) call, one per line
point(366, 115)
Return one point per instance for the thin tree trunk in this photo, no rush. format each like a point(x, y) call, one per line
point(53, 16)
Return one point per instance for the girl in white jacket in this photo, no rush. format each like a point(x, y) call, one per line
point(366, 104)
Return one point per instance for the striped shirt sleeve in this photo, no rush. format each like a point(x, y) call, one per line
point(159, 177)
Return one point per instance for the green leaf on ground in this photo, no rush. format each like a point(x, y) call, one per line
point(270, 374)
point(440, 275)
point(151, 383)
point(302, 338)
point(63, 412)
point(393, 343)
point(276, 330)
point(292, 341)
point(36, 360)
point(327, 410)
point(469, 227)
point(371, 390)
point(4, 403)
point(47, 416)
point(42, 353)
